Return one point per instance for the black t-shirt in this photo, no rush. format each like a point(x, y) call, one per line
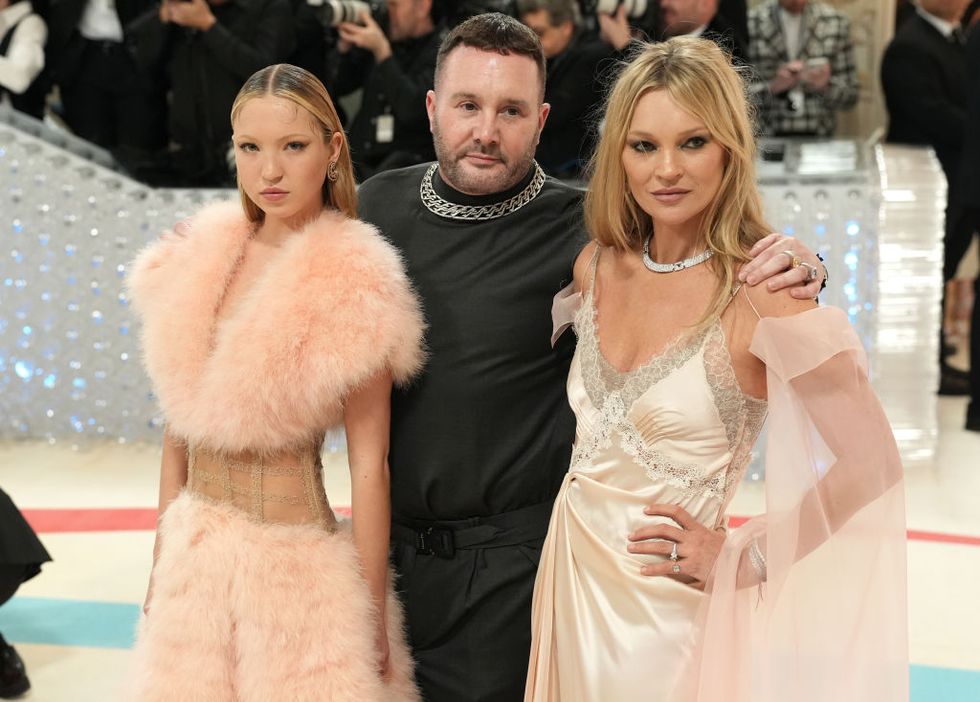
point(486, 428)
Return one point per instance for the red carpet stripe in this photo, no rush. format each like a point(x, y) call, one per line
point(52, 521)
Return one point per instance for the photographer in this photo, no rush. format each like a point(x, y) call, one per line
point(573, 89)
point(391, 128)
point(799, 97)
point(206, 50)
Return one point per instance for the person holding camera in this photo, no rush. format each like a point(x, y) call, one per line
point(804, 62)
point(395, 69)
point(573, 86)
point(206, 49)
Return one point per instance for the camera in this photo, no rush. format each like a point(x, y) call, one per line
point(334, 12)
point(634, 8)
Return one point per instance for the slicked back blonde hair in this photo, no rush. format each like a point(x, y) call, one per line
point(305, 90)
point(699, 77)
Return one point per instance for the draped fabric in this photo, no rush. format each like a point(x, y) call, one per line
point(830, 623)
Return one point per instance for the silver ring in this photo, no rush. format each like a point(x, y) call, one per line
point(673, 553)
point(811, 272)
point(676, 568)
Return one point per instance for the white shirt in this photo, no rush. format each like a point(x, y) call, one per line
point(25, 55)
point(945, 28)
point(792, 31)
point(100, 22)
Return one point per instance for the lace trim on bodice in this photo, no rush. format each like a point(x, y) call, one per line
point(613, 394)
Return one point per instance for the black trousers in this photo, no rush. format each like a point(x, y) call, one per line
point(469, 615)
point(110, 102)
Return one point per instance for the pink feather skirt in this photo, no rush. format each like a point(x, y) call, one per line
point(246, 611)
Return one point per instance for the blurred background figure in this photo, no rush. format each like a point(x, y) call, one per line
point(573, 87)
point(804, 66)
point(105, 97)
point(205, 51)
point(22, 37)
point(21, 557)
point(924, 77)
point(723, 23)
point(394, 66)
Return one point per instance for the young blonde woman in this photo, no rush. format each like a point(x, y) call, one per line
point(641, 592)
point(266, 322)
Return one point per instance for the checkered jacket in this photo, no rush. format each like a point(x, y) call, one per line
point(826, 33)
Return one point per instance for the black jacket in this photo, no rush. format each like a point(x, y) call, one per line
point(205, 70)
point(64, 47)
point(397, 87)
point(574, 91)
point(967, 188)
point(924, 78)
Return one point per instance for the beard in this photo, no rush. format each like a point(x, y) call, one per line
point(472, 180)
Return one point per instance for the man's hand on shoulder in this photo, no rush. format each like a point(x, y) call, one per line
point(784, 262)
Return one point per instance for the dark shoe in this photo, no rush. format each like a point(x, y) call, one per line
point(953, 381)
point(13, 677)
point(973, 416)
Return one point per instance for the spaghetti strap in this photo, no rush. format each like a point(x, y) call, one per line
point(593, 267)
point(747, 298)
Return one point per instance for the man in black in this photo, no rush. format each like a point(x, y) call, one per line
point(967, 199)
point(106, 98)
point(207, 50)
point(924, 77)
point(481, 441)
point(390, 129)
point(573, 88)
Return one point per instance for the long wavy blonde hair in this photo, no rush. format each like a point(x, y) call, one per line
point(699, 77)
point(304, 89)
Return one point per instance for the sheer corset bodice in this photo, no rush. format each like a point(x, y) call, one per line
point(285, 487)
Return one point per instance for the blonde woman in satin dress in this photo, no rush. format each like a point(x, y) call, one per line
point(642, 592)
point(266, 322)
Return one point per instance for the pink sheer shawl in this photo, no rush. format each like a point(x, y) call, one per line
point(830, 623)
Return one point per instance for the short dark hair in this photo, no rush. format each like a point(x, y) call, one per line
point(496, 32)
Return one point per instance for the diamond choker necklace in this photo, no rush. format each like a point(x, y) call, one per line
point(671, 267)
point(443, 208)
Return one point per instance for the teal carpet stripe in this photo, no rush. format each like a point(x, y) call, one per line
point(38, 620)
point(41, 620)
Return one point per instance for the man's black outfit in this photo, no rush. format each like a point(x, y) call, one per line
point(967, 198)
point(21, 557)
point(205, 71)
point(924, 77)
point(481, 441)
point(391, 128)
point(574, 90)
point(106, 98)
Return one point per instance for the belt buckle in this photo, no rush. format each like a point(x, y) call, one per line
point(435, 541)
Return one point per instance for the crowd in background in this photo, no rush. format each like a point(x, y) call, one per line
point(152, 81)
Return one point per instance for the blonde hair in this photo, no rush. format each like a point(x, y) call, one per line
point(699, 77)
point(302, 88)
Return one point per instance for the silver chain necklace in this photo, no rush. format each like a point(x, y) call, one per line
point(443, 208)
point(671, 267)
